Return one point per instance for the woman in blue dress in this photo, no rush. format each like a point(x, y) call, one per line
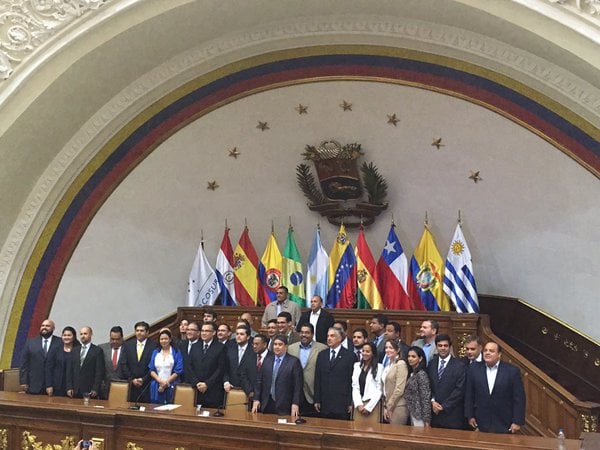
point(166, 369)
point(59, 377)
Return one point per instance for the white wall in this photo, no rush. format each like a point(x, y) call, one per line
point(532, 224)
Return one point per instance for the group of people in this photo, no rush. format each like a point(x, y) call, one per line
point(305, 364)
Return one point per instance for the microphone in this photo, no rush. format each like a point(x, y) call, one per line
point(136, 406)
point(299, 420)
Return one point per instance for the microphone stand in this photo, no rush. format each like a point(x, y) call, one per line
point(136, 406)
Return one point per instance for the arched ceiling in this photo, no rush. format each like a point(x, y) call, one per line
point(65, 103)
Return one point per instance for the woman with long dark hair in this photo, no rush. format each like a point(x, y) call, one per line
point(394, 382)
point(366, 381)
point(418, 391)
point(59, 375)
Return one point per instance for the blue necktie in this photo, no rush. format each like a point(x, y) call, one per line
point(442, 368)
point(275, 370)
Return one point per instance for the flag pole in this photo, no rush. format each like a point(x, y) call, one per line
point(202, 238)
point(272, 227)
point(426, 220)
point(459, 218)
point(290, 226)
point(393, 219)
point(226, 227)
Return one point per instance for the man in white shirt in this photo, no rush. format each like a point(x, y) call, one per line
point(319, 318)
point(495, 397)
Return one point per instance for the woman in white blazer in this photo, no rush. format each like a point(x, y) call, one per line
point(366, 381)
point(394, 381)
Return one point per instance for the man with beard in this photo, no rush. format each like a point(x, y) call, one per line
point(428, 331)
point(37, 364)
point(306, 351)
point(359, 337)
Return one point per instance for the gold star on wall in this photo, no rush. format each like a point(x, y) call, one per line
point(234, 153)
point(393, 120)
point(475, 177)
point(212, 185)
point(346, 106)
point(437, 143)
point(262, 126)
point(302, 109)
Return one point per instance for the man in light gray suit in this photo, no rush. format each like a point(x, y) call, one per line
point(113, 356)
point(306, 351)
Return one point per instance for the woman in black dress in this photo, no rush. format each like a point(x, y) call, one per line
point(69, 339)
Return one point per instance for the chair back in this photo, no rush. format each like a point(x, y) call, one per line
point(236, 400)
point(185, 395)
point(118, 392)
point(372, 419)
point(11, 381)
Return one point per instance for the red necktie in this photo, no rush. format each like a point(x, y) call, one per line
point(258, 362)
point(114, 358)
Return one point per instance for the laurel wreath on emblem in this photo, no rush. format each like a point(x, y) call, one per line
point(339, 183)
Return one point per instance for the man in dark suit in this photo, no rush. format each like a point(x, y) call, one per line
point(240, 361)
point(473, 350)
point(279, 382)
point(495, 398)
point(377, 325)
point(333, 378)
point(206, 366)
point(113, 355)
point(192, 333)
point(261, 351)
point(447, 377)
point(342, 327)
point(85, 370)
point(320, 319)
point(393, 331)
point(37, 363)
point(134, 365)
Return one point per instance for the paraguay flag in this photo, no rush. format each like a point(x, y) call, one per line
point(224, 270)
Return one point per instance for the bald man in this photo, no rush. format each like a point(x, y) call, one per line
point(38, 360)
point(86, 370)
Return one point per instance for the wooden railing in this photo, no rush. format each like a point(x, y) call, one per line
point(549, 406)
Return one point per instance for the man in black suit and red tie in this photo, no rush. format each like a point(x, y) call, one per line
point(134, 364)
point(37, 363)
point(85, 369)
point(206, 367)
point(333, 378)
point(279, 382)
point(495, 397)
point(447, 376)
point(319, 318)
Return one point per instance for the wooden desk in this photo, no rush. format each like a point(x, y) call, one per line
point(52, 419)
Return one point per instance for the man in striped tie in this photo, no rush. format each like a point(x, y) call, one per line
point(447, 377)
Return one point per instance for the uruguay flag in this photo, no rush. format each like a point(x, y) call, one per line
point(459, 282)
point(392, 272)
point(316, 274)
point(224, 270)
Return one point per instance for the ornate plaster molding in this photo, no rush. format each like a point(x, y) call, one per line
point(25, 25)
point(369, 30)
